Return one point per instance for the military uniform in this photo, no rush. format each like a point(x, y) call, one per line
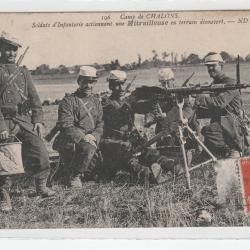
point(121, 137)
point(223, 107)
point(169, 107)
point(21, 115)
point(78, 116)
point(116, 147)
point(18, 116)
point(169, 119)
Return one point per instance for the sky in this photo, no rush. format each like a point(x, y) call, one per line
point(86, 45)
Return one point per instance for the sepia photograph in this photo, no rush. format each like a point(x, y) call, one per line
point(137, 119)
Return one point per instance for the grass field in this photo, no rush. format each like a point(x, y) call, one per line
point(113, 205)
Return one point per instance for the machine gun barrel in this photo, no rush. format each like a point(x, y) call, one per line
point(146, 96)
point(206, 89)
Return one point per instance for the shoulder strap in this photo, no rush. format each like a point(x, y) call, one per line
point(88, 112)
point(10, 81)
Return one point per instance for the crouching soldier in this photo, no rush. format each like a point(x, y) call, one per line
point(81, 127)
point(120, 136)
point(21, 115)
point(165, 114)
point(224, 135)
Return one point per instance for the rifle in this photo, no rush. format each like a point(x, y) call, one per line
point(187, 80)
point(20, 59)
point(238, 70)
point(129, 85)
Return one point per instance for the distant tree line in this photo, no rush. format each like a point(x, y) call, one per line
point(157, 60)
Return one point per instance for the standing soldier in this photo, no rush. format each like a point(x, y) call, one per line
point(21, 115)
point(81, 127)
point(223, 136)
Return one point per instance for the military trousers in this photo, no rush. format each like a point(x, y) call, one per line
point(82, 161)
point(34, 152)
point(116, 154)
point(217, 140)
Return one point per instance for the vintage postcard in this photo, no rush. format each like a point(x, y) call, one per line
point(124, 120)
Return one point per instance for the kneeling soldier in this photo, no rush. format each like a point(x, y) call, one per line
point(81, 127)
point(166, 114)
point(120, 135)
point(223, 136)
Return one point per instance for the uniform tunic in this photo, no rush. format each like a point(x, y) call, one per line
point(171, 110)
point(79, 115)
point(118, 117)
point(19, 114)
point(224, 131)
point(117, 143)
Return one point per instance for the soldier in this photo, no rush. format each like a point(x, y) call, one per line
point(165, 114)
point(120, 134)
point(223, 136)
point(81, 127)
point(18, 100)
point(166, 79)
point(118, 119)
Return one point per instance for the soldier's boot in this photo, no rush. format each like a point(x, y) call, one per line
point(5, 202)
point(75, 180)
point(41, 185)
point(157, 173)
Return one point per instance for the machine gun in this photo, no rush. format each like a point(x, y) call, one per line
point(153, 94)
point(160, 94)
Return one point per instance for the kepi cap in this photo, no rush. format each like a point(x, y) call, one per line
point(117, 75)
point(87, 71)
point(165, 74)
point(213, 59)
point(6, 38)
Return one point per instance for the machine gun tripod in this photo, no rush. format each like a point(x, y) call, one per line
point(149, 95)
point(182, 128)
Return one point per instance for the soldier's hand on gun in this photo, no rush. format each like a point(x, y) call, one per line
point(38, 127)
point(90, 139)
point(4, 135)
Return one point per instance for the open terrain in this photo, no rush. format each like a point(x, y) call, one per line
point(123, 205)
